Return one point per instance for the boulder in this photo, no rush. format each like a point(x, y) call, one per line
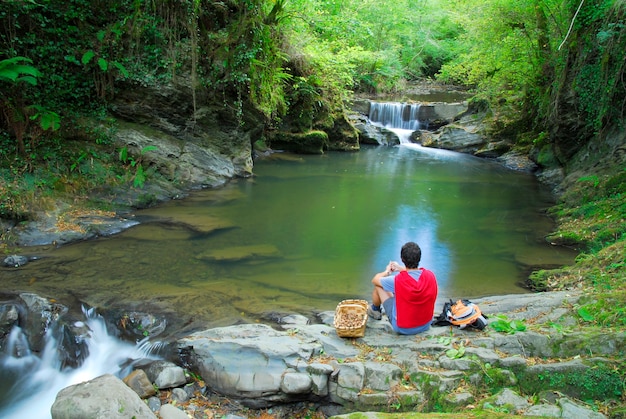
point(104, 397)
point(371, 134)
point(310, 142)
point(464, 139)
point(255, 363)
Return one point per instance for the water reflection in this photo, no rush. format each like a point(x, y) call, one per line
point(309, 231)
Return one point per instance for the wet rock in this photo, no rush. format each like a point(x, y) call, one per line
point(139, 325)
point(552, 177)
point(310, 142)
point(105, 397)
point(493, 149)
point(8, 317)
point(194, 221)
point(370, 134)
point(294, 320)
point(14, 261)
point(456, 138)
point(72, 344)
point(40, 313)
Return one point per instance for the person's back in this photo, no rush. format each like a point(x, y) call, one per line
point(415, 296)
point(408, 298)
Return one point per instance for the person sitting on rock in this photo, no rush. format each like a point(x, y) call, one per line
point(408, 297)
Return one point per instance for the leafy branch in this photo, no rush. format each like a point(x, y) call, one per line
point(17, 113)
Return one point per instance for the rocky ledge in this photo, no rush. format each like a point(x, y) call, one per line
point(537, 362)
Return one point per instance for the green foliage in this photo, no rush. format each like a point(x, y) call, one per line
point(585, 314)
point(607, 309)
point(379, 44)
point(506, 325)
point(457, 347)
point(132, 163)
point(18, 69)
point(591, 178)
point(596, 65)
point(17, 113)
point(455, 353)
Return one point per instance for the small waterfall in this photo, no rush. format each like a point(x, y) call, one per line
point(400, 118)
point(29, 382)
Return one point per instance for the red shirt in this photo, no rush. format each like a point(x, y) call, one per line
point(415, 298)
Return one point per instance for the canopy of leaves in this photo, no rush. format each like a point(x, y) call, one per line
point(378, 44)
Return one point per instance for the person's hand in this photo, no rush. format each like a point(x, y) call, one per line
point(388, 268)
point(394, 267)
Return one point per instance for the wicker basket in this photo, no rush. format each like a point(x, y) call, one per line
point(353, 309)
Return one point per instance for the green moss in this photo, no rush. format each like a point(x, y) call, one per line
point(601, 383)
point(598, 382)
point(311, 142)
point(498, 378)
point(546, 157)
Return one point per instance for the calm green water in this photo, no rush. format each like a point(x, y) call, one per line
point(321, 226)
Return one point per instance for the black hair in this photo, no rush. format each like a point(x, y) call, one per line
point(411, 254)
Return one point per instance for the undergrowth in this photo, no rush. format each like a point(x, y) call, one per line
point(592, 215)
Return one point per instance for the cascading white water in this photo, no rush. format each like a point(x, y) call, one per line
point(32, 382)
point(400, 118)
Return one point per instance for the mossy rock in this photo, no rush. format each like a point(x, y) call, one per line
point(192, 220)
point(595, 381)
point(311, 142)
point(240, 253)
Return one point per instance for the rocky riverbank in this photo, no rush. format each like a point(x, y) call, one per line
point(533, 360)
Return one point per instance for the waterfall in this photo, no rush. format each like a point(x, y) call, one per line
point(400, 118)
point(29, 382)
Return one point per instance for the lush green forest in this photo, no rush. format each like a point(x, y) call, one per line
point(62, 61)
point(549, 74)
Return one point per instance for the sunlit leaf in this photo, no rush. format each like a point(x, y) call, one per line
point(103, 64)
point(121, 68)
point(87, 57)
point(585, 314)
